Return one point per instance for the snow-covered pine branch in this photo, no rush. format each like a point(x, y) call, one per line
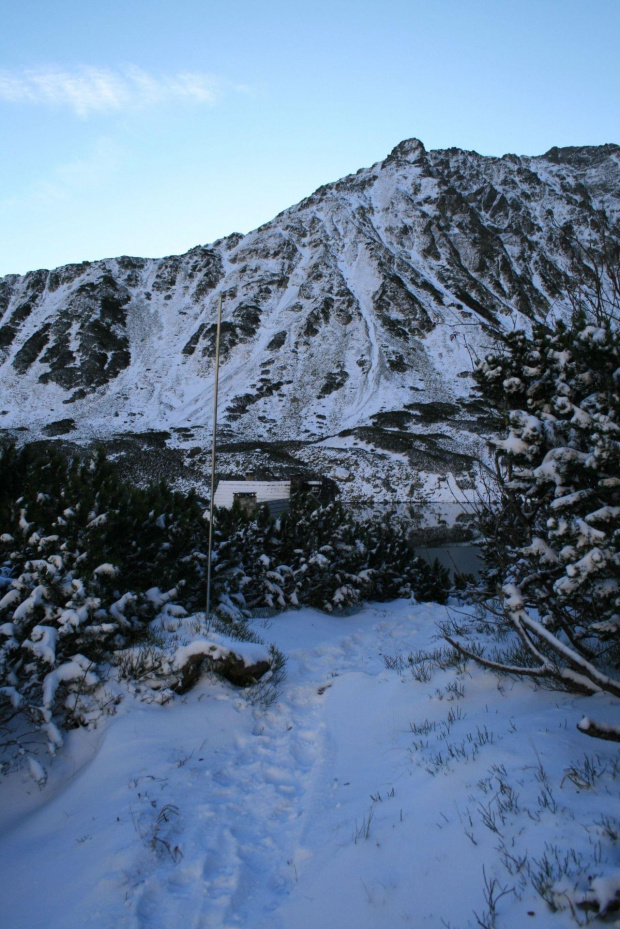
point(553, 530)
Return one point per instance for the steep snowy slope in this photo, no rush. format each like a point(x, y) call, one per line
point(349, 322)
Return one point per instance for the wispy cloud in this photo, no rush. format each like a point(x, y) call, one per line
point(88, 90)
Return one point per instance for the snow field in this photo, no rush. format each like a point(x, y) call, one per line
point(372, 793)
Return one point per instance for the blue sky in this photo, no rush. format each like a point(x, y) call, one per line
point(145, 127)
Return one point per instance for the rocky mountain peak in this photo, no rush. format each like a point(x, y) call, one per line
point(410, 150)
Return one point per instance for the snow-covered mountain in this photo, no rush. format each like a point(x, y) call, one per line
point(350, 321)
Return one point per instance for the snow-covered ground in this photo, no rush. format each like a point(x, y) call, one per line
point(365, 795)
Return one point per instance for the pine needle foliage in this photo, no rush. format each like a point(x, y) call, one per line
point(553, 531)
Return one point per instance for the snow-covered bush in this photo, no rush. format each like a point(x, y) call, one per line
point(319, 555)
point(85, 558)
point(553, 535)
point(94, 571)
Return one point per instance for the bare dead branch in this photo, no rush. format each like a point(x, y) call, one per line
point(495, 665)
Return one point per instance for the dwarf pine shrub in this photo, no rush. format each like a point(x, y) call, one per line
point(88, 561)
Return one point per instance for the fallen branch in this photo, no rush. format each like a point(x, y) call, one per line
point(599, 730)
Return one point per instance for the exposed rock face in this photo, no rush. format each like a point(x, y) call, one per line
point(368, 298)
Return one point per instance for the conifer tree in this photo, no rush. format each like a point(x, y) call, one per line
point(553, 531)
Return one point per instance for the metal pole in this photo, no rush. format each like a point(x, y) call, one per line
point(217, 374)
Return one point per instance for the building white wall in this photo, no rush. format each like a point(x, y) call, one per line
point(266, 491)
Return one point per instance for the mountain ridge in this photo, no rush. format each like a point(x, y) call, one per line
point(350, 320)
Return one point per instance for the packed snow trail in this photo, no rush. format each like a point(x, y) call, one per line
point(363, 797)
